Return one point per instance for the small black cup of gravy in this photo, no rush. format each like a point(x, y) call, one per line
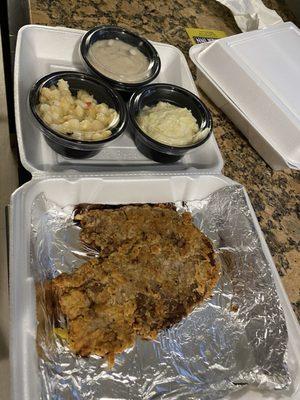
point(121, 58)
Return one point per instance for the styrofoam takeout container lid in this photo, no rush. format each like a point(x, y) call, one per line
point(254, 77)
point(41, 50)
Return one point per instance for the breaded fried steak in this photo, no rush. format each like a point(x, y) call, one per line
point(154, 267)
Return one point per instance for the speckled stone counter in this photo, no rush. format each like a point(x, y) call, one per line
point(274, 195)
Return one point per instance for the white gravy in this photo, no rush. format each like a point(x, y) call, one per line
point(119, 60)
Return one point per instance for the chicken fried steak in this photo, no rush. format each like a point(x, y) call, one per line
point(154, 267)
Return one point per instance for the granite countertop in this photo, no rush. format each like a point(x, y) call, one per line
point(274, 195)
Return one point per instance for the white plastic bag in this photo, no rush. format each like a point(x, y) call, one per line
point(251, 14)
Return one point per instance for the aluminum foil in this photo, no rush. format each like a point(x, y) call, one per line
point(236, 338)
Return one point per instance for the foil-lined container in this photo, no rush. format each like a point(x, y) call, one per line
point(238, 337)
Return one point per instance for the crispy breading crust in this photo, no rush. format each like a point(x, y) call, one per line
point(154, 267)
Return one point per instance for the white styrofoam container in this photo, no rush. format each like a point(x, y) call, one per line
point(41, 50)
point(107, 190)
point(254, 78)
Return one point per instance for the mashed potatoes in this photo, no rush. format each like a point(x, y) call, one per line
point(169, 124)
point(79, 117)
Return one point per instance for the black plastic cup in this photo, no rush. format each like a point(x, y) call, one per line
point(59, 142)
point(150, 96)
point(114, 32)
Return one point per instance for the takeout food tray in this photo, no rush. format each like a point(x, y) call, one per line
point(41, 50)
point(110, 179)
point(107, 190)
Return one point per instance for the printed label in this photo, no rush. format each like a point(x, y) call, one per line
point(203, 35)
